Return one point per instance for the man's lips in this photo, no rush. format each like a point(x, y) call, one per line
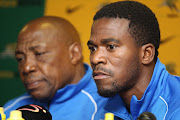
point(33, 84)
point(97, 75)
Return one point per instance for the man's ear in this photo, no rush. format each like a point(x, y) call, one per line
point(75, 53)
point(147, 53)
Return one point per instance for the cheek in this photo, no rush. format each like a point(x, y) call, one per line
point(52, 73)
point(121, 62)
point(49, 71)
point(122, 57)
point(116, 59)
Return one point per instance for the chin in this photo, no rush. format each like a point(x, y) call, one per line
point(106, 93)
point(40, 96)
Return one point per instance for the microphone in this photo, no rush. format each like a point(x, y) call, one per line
point(34, 112)
point(146, 116)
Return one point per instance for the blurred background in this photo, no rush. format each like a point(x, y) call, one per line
point(14, 14)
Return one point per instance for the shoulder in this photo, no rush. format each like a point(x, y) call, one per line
point(170, 92)
point(90, 90)
point(95, 102)
point(16, 102)
point(171, 97)
point(173, 85)
point(90, 93)
point(173, 78)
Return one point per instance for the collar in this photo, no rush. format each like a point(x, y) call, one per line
point(72, 89)
point(116, 105)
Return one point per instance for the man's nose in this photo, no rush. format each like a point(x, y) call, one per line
point(99, 56)
point(29, 66)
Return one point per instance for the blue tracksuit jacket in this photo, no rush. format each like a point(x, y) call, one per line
point(77, 101)
point(162, 98)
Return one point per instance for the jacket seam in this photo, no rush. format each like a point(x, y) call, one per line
point(16, 101)
point(93, 101)
point(166, 106)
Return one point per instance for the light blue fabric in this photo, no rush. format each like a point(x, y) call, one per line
point(77, 101)
point(162, 98)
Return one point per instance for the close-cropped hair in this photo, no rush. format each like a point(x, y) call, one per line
point(143, 24)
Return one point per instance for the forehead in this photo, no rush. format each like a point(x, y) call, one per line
point(109, 28)
point(34, 36)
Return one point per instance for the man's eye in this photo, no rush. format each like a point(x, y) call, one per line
point(19, 59)
point(39, 53)
point(92, 49)
point(111, 47)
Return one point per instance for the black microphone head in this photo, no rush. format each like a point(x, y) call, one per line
point(146, 116)
point(34, 112)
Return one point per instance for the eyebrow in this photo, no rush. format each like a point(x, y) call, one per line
point(104, 41)
point(90, 42)
point(18, 52)
point(35, 47)
point(31, 48)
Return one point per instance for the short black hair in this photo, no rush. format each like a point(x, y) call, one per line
point(143, 26)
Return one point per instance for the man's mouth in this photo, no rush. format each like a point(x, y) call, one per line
point(98, 75)
point(33, 84)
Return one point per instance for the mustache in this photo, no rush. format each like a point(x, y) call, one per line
point(100, 68)
point(34, 77)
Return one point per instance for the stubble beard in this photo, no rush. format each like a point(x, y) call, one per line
point(115, 89)
point(121, 88)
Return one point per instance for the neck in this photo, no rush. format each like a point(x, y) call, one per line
point(79, 73)
point(139, 88)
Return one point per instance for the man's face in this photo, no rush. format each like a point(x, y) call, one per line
point(114, 56)
point(43, 62)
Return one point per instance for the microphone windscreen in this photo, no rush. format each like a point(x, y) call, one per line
point(146, 116)
point(34, 112)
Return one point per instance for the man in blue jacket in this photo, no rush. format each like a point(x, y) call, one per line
point(50, 63)
point(123, 45)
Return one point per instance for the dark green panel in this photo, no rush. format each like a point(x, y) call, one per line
point(13, 16)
